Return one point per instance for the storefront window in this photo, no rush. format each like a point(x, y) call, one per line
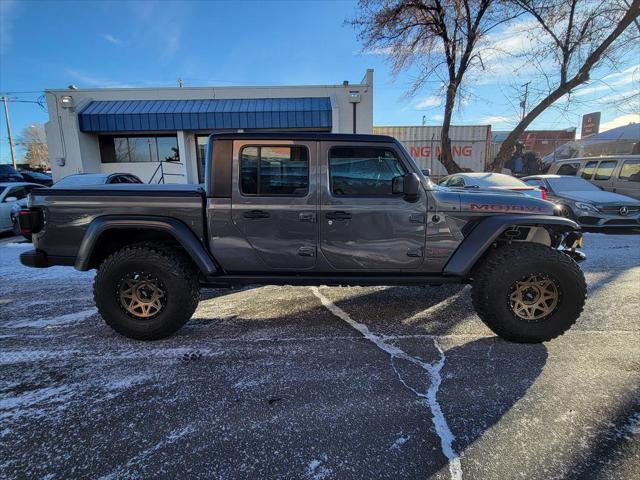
point(139, 149)
point(201, 153)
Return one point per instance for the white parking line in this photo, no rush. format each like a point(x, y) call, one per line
point(433, 370)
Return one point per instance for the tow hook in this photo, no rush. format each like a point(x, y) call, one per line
point(570, 246)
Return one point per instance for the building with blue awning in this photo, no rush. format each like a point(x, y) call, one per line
point(160, 134)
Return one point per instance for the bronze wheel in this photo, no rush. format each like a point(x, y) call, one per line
point(534, 297)
point(141, 295)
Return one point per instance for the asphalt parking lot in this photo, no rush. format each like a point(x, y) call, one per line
point(326, 383)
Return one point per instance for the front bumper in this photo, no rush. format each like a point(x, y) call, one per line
point(603, 220)
point(570, 245)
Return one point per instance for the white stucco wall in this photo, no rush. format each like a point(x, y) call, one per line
point(72, 151)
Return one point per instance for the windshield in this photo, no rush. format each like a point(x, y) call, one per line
point(79, 180)
point(571, 184)
point(2, 189)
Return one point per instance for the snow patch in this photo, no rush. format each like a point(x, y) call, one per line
point(400, 441)
point(18, 245)
point(316, 470)
point(124, 470)
point(433, 370)
point(52, 322)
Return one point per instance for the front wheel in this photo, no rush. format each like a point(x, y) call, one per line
point(146, 292)
point(528, 293)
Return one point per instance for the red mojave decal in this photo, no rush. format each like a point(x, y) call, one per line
point(486, 207)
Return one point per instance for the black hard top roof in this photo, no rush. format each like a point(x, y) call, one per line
point(327, 137)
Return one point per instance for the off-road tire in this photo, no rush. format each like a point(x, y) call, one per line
point(495, 278)
point(174, 270)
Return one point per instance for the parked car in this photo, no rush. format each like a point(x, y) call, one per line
point(9, 174)
point(585, 203)
point(617, 174)
point(12, 193)
point(287, 208)
point(491, 181)
point(85, 179)
point(37, 177)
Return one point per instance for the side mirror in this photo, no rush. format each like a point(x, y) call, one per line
point(408, 184)
point(10, 199)
point(426, 172)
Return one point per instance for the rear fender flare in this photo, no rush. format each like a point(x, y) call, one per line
point(488, 231)
point(178, 230)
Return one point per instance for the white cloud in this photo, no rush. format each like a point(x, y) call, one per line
point(620, 121)
point(609, 82)
point(91, 81)
point(499, 120)
point(163, 23)
point(428, 102)
point(111, 39)
point(8, 13)
point(437, 118)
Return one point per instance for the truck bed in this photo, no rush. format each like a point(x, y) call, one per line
point(69, 211)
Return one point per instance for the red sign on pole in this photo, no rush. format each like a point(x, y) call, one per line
point(590, 124)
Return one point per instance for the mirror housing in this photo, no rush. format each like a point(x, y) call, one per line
point(10, 199)
point(411, 185)
point(408, 185)
point(426, 172)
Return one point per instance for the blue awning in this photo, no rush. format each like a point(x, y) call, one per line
point(312, 113)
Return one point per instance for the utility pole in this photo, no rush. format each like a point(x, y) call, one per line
point(6, 116)
point(523, 102)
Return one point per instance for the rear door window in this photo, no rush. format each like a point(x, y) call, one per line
point(605, 170)
point(363, 171)
point(588, 170)
point(630, 171)
point(568, 169)
point(274, 170)
point(18, 192)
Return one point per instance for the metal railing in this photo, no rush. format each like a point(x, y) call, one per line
point(160, 170)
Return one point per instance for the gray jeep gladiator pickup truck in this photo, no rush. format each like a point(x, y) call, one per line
point(309, 209)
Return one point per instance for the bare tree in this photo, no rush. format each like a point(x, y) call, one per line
point(34, 142)
point(441, 37)
point(576, 37)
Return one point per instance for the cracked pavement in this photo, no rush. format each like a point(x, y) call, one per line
point(274, 382)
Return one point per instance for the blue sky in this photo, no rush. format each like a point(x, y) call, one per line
point(53, 44)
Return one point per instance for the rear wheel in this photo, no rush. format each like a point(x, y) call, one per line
point(528, 292)
point(146, 292)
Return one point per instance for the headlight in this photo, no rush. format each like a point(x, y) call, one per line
point(586, 206)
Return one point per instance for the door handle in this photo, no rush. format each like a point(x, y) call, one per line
point(256, 214)
point(307, 217)
point(338, 216)
point(307, 251)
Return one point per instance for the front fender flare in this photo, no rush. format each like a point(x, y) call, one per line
point(488, 230)
point(178, 230)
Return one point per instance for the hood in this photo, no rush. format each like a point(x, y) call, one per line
point(599, 197)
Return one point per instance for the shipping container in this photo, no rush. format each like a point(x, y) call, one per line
point(470, 145)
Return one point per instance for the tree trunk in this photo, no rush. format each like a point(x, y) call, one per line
point(446, 157)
